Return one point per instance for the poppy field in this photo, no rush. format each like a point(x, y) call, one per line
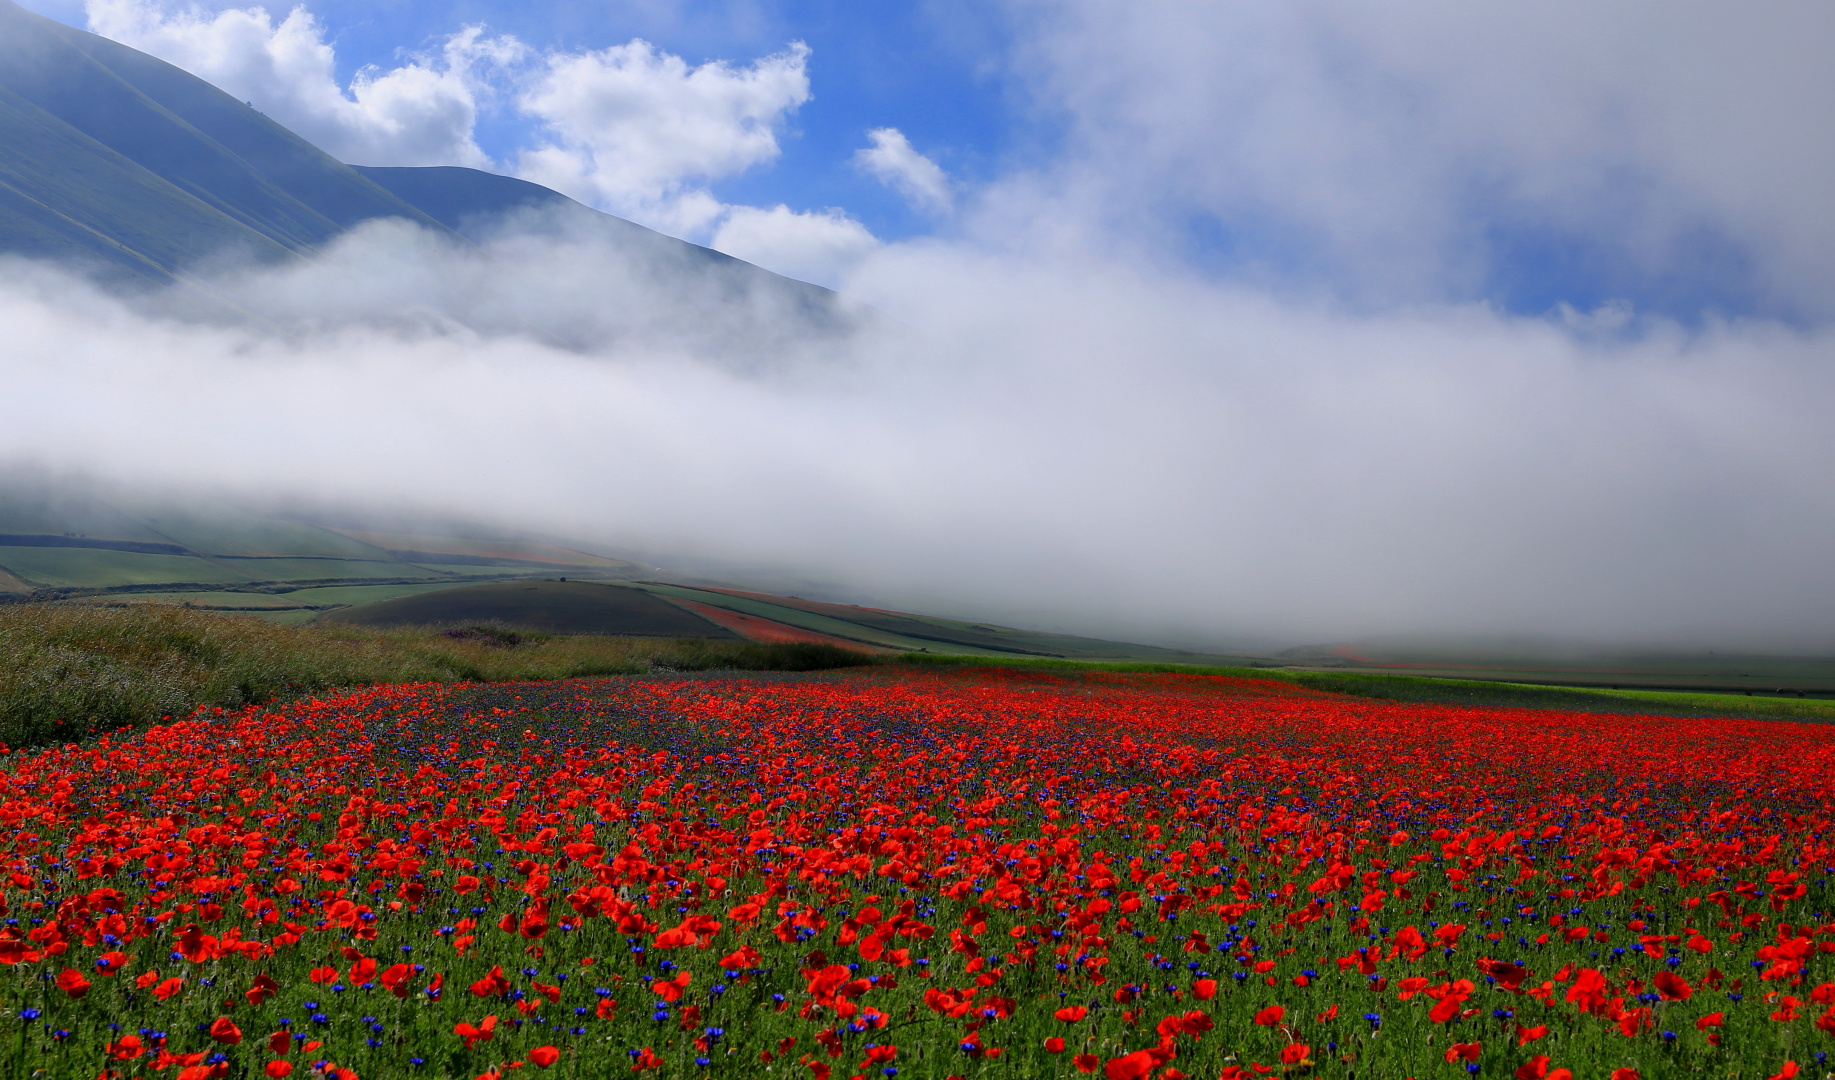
point(918, 874)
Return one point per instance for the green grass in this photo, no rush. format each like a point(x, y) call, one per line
point(278, 569)
point(101, 568)
point(70, 670)
point(1426, 690)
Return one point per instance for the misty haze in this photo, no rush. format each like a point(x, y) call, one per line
point(1238, 366)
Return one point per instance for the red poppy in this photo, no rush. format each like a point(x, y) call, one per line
point(72, 983)
point(1130, 1067)
point(484, 1031)
point(1464, 1051)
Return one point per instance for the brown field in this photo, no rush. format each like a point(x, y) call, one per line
point(754, 628)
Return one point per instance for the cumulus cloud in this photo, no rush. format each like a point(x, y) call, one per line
point(893, 161)
point(631, 129)
point(421, 113)
point(818, 246)
point(1415, 150)
point(640, 132)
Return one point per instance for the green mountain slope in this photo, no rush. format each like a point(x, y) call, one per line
point(129, 166)
point(111, 156)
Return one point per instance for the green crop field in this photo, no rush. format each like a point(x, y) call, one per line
point(323, 569)
point(230, 533)
point(92, 567)
point(472, 570)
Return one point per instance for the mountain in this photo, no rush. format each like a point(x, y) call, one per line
point(478, 205)
point(113, 157)
point(143, 173)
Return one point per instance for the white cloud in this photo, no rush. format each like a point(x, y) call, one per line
point(1386, 140)
point(639, 132)
point(1067, 440)
point(421, 113)
point(893, 161)
point(818, 246)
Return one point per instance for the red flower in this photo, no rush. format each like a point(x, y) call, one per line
point(1271, 1015)
point(1464, 1051)
point(544, 1056)
point(225, 1031)
point(482, 1032)
point(671, 989)
point(1086, 1062)
point(395, 979)
point(1072, 1013)
point(1130, 1067)
point(1204, 989)
point(111, 962)
point(278, 1069)
point(492, 985)
point(72, 982)
point(1054, 1045)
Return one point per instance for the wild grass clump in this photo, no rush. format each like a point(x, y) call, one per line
point(70, 670)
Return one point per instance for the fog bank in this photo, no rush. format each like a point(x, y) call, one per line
point(1074, 442)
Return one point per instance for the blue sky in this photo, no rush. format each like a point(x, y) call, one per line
point(929, 70)
point(1567, 158)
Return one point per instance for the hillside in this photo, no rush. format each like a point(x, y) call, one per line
point(140, 173)
point(112, 157)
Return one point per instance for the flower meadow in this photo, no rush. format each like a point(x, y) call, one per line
point(918, 874)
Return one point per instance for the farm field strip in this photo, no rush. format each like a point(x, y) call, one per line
point(919, 873)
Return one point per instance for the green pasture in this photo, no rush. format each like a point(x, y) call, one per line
point(228, 533)
point(472, 570)
point(100, 568)
point(323, 569)
point(325, 596)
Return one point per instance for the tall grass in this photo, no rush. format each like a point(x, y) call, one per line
point(68, 671)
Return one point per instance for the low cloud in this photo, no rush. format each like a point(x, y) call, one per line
point(892, 160)
point(821, 246)
point(1073, 442)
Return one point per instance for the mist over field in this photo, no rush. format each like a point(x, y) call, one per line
point(1045, 412)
